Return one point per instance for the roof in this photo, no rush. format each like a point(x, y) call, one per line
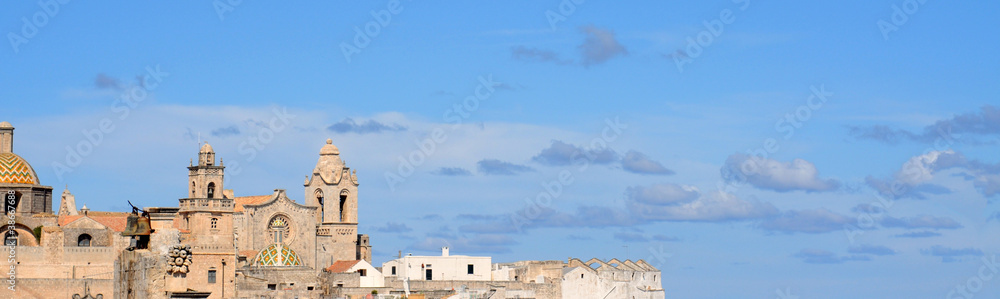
point(248, 200)
point(206, 148)
point(15, 170)
point(248, 253)
point(329, 148)
point(610, 265)
point(113, 220)
point(341, 266)
point(277, 255)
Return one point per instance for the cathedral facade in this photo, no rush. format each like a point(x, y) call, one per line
point(212, 245)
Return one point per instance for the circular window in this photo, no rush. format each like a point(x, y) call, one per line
point(280, 230)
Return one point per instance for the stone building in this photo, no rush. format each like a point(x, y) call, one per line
point(212, 245)
point(52, 255)
point(611, 279)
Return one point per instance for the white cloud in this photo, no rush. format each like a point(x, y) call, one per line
point(774, 175)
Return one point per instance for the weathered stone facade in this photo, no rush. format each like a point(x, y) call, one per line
point(240, 247)
point(267, 246)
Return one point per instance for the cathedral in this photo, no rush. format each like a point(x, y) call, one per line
point(212, 245)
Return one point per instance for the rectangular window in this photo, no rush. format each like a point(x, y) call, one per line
point(429, 276)
point(272, 286)
point(211, 276)
point(393, 270)
point(363, 272)
point(471, 269)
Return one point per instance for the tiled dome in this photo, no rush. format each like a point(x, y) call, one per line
point(15, 170)
point(277, 255)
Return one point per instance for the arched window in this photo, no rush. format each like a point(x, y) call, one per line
point(83, 240)
point(10, 238)
point(215, 221)
point(319, 200)
point(211, 190)
point(193, 187)
point(343, 203)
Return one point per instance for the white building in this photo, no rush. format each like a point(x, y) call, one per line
point(444, 267)
point(611, 279)
point(369, 276)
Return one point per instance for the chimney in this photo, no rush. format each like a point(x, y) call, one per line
point(444, 251)
point(6, 138)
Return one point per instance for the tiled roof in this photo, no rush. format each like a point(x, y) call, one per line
point(248, 200)
point(248, 253)
point(114, 220)
point(15, 170)
point(341, 266)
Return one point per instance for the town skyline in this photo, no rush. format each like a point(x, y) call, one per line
point(794, 147)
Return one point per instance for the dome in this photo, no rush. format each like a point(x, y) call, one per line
point(206, 148)
point(329, 149)
point(277, 255)
point(15, 170)
point(6, 125)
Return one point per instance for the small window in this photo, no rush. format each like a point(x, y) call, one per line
point(363, 272)
point(215, 222)
point(211, 276)
point(83, 240)
point(471, 269)
point(272, 286)
point(393, 270)
point(581, 275)
point(309, 288)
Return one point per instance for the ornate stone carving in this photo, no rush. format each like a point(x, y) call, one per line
point(179, 259)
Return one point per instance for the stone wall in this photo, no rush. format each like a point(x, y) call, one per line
point(139, 274)
point(524, 290)
point(275, 282)
point(98, 236)
point(46, 288)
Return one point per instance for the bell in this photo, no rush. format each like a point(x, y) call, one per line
point(137, 226)
point(131, 225)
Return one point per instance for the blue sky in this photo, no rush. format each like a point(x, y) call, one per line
point(763, 150)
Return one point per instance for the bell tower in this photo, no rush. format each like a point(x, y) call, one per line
point(206, 225)
point(206, 178)
point(333, 187)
